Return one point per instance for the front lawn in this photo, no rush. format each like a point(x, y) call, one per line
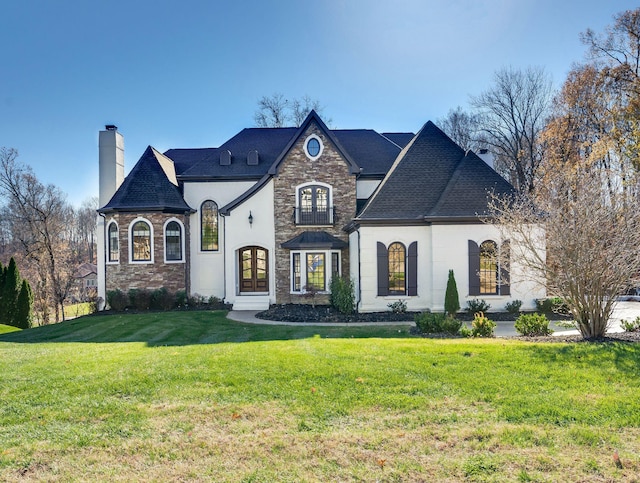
point(193, 396)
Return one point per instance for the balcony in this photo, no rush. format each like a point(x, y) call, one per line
point(315, 216)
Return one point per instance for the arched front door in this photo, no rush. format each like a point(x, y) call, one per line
point(254, 269)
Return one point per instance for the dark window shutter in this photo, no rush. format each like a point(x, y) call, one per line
point(474, 268)
point(412, 269)
point(505, 260)
point(383, 270)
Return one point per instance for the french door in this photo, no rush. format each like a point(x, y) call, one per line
point(254, 269)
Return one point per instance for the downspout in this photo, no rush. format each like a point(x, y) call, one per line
point(359, 275)
point(224, 258)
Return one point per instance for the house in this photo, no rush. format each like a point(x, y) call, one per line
point(273, 213)
point(86, 276)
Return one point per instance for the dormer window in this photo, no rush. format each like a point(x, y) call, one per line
point(313, 147)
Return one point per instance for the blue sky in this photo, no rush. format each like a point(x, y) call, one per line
point(189, 73)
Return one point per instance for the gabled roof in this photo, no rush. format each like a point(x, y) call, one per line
point(313, 117)
point(150, 186)
point(373, 153)
point(433, 178)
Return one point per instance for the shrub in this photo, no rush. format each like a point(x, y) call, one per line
point(430, 323)
point(117, 300)
point(342, 296)
point(465, 331)
point(23, 316)
point(533, 325)
point(551, 305)
point(140, 298)
point(399, 307)
point(482, 326)
point(451, 300)
point(215, 302)
point(195, 300)
point(513, 307)
point(162, 299)
point(633, 326)
point(475, 306)
point(181, 298)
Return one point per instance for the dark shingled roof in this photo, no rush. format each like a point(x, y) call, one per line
point(434, 178)
point(400, 138)
point(372, 152)
point(366, 148)
point(150, 186)
point(269, 142)
point(315, 239)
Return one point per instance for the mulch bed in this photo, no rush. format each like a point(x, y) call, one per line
point(326, 313)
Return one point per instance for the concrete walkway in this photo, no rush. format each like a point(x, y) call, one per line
point(627, 310)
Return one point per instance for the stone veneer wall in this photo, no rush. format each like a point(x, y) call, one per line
point(125, 276)
point(296, 169)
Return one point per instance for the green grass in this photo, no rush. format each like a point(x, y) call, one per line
point(192, 395)
point(7, 328)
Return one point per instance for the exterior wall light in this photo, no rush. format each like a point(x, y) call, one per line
point(250, 219)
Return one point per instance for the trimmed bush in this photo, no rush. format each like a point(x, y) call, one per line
point(430, 323)
point(140, 298)
point(474, 306)
point(342, 296)
point(533, 325)
point(482, 326)
point(117, 300)
point(162, 299)
point(513, 307)
point(181, 298)
point(451, 300)
point(399, 307)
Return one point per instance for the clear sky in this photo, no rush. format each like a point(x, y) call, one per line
point(188, 73)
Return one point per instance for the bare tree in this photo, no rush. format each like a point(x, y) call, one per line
point(39, 218)
point(277, 111)
point(463, 127)
point(512, 115)
point(579, 239)
point(85, 229)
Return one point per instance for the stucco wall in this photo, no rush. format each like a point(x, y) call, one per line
point(440, 248)
point(207, 267)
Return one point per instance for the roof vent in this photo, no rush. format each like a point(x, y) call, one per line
point(252, 158)
point(225, 157)
point(111, 127)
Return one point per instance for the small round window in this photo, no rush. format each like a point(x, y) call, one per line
point(313, 147)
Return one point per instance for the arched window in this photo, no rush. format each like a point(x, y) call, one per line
point(114, 244)
point(396, 269)
point(314, 205)
point(173, 241)
point(209, 226)
point(141, 242)
point(488, 267)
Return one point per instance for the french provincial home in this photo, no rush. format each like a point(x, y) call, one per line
point(273, 214)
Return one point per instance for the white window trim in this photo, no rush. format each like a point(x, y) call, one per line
point(329, 200)
point(313, 136)
point(108, 241)
point(151, 242)
point(303, 269)
point(164, 240)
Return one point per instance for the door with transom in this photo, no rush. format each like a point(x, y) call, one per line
point(254, 269)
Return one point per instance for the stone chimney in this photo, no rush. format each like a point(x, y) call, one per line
point(111, 159)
